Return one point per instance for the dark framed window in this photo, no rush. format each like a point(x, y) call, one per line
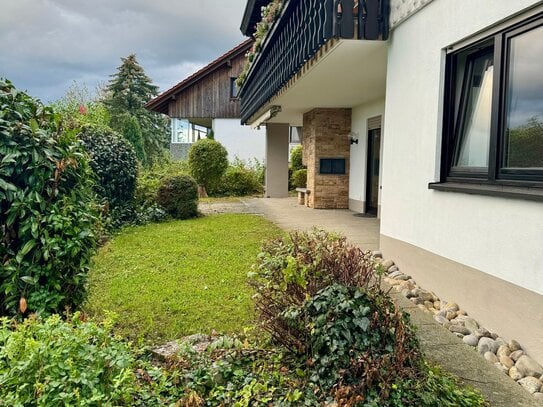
point(493, 111)
point(234, 88)
point(332, 166)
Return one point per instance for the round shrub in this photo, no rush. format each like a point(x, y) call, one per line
point(115, 165)
point(178, 195)
point(299, 178)
point(296, 156)
point(208, 161)
point(47, 210)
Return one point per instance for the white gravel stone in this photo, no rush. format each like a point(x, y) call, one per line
point(470, 340)
point(531, 384)
point(514, 373)
point(516, 355)
point(503, 350)
point(528, 367)
point(491, 357)
point(514, 345)
point(507, 362)
point(487, 345)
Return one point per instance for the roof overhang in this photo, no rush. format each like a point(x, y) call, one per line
point(161, 103)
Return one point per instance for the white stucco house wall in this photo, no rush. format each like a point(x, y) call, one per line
point(438, 121)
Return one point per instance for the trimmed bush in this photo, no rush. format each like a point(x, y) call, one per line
point(208, 161)
point(47, 211)
point(115, 165)
point(299, 178)
point(178, 195)
point(296, 156)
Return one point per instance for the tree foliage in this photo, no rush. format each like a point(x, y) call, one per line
point(208, 161)
point(127, 93)
point(132, 132)
point(47, 212)
point(296, 159)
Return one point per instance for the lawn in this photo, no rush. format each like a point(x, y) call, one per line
point(176, 278)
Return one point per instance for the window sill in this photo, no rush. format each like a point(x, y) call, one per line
point(525, 193)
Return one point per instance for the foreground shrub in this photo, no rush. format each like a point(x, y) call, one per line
point(115, 165)
point(47, 213)
point(291, 270)
point(208, 161)
point(240, 179)
point(321, 300)
point(358, 339)
point(53, 363)
point(178, 195)
point(299, 178)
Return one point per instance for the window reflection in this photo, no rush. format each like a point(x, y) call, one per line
point(524, 122)
point(474, 140)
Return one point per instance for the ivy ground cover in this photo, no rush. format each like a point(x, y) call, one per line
point(176, 278)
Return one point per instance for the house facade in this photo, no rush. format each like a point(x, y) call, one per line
point(428, 114)
point(208, 101)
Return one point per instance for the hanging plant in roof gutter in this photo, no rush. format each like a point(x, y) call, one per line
point(270, 14)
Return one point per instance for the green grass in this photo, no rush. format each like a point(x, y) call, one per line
point(176, 278)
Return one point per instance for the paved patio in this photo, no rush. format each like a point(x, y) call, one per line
point(289, 215)
point(440, 345)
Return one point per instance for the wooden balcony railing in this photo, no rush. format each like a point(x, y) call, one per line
point(302, 29)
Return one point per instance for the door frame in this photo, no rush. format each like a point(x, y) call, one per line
point(374, 124)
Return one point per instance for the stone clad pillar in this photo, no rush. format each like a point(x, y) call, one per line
point(277, 138)
point(326, 135)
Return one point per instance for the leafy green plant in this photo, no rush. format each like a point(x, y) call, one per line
point(52, 362)
point(296, 157)
point(299, 178)
point(132, 132)
point(47, 211)
point(115, 165)
point(178, 195)
point(269, 15)
point(291, 270)
point(240, 179)
point(357, 339)
point(149, 180)
point(208, 161)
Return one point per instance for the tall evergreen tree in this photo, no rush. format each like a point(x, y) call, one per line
point(127, 92)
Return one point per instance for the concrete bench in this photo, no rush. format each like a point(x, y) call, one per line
point(303, 195)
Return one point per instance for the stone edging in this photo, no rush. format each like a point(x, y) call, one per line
point(507, 357)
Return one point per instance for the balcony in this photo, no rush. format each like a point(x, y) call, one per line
point(303, 30)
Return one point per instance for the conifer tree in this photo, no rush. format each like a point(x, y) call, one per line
point(128, 91)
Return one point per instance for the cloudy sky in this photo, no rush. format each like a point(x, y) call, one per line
point(45, 45)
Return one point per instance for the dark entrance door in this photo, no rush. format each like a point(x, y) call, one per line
point(372, 179)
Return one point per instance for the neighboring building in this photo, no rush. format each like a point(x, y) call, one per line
point(428, 114)
point(208, 100)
